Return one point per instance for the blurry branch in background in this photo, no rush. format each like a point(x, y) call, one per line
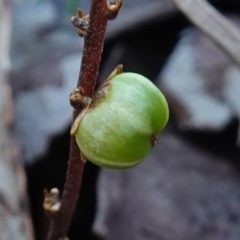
point(6, 114)
point(5, 37)
point(14, 218)
point(5, 63)
point(215, 25)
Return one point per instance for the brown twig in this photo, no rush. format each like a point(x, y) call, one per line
point(101, 11)
point(216, 26)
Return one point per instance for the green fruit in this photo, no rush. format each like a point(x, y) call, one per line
point(117, 130)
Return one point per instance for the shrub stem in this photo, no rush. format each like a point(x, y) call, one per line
point(93, 46)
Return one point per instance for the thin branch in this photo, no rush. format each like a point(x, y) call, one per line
point(94, 39)
point(216, 26)
point(93, 47)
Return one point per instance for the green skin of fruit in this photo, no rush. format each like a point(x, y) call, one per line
point(118, 130)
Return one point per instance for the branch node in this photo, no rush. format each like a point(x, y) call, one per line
point(113, 7)
point(80, 21)
point(78, 100)
point(51, 202)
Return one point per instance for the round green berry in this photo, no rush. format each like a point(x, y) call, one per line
point(117, 130)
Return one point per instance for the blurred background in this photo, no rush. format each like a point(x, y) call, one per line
point(188, 187)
